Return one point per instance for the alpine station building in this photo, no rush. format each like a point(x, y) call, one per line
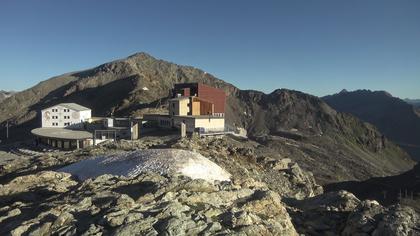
point(200, 107)
point(71, 126)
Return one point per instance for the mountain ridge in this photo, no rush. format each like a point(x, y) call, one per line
point(279, 118)
point(5, 94)
point(394, 117)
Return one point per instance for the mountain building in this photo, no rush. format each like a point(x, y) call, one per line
point(65, 115)
point(71, 126)
point(203, 95)
point(200, 107)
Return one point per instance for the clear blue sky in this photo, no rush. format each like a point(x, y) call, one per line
point(318, 47)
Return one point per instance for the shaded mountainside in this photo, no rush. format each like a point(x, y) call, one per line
point(306, 129)
point(393, 117)
point(387, 190)
point(299, 126)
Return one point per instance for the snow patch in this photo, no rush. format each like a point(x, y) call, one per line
point(162, 161)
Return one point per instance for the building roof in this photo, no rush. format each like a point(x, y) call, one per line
point(179, 98)
point(61, 133)
point(201, 117)
point(72, 106)
point(187, 117)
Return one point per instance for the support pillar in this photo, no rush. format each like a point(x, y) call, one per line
point(183, 130)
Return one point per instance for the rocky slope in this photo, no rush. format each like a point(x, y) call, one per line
point(268, 195)
point(393, 116)
point(5, 94)
point(387, 190)
point(301, 127)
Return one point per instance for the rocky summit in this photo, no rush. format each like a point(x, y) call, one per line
point(266, 195)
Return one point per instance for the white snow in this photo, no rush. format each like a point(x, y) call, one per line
point(145, 88)
point(162, 161)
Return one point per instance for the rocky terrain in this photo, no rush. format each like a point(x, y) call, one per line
point(387, 190)
point(268, 195)
point(5, 94)
point(297, 144)
point(394, 117)
point(335, 146)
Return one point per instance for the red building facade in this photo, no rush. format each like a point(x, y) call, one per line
point(205, 92)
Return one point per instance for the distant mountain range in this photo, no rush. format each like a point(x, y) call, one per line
point(394, 117)
point(414, 102)
point(333, 145)
point(5, 94)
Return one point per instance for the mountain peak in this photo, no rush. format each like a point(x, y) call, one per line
point(343, 91)
point(141, 55)
point(385, 93)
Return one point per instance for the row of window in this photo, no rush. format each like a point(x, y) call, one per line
point(65, 117)
point(56, 110)
point(65, 124)
point(165, 123)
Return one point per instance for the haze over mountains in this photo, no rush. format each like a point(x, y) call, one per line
point(395, 118)
point(334, 145)
point(414, 102)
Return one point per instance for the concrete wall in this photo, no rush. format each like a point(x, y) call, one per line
point(179, 107)
point(193, 123)
point(60, 117)
point(210, 124)
point(189, 122)
point(66, 144)
point(165, 122)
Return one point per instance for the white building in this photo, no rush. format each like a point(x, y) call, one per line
point(65, 115)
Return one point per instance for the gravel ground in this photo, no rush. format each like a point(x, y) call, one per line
point(7, 156)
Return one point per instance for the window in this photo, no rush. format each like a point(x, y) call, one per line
point(54, 110)
point(66, 117)
point(54, 124)
point(67, 123)
point(165, 123)
point(55, 117)
point(66, 110)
